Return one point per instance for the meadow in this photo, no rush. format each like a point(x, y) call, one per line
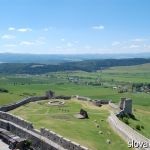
point(21, 86)
point(96, 85)
point(61, 119)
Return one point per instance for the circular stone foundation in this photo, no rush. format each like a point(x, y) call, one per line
point(56, 103)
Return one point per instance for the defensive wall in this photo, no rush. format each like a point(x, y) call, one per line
point(49, 140)
point(22, 102)
point(96, 102)
point(126, 132)
point(41, 140)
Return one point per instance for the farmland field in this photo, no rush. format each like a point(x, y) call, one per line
point(21, 86)
point(96, 85)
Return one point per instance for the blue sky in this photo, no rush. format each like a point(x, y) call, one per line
point(74, 26)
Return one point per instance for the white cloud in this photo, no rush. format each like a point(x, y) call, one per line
point(8, 36)
point(10, 45)
point(20, 29)
point(58, 47)
point(39, 41)
point(45, 29)
point(11, 29)
point(146, 46)
point(116, 43)
point(76, 42)
point(99, 27)
point(26, 43)
point(69, 44)
point(87, 47)
point(62, 40)
point(139, 40)
point(48, 28)
point(134, 46)
point(24, 29)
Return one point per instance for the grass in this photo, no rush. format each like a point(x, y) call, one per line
point(18, 85)
point(21, 86)
point(142, 114)
point(18, 92)
point(136, 74)
point(83, 131)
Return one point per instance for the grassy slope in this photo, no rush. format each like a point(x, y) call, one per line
point(58, 82)
point(142, 114)
point(139, 73)
point(70, 89)
point(84, 132)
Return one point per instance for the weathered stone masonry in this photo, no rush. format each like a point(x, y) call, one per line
point(22, 102)
point(41, 140)
point(126, 132)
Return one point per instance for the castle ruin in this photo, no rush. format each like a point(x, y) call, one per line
point(125, 106)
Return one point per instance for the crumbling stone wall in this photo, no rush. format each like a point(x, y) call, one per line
point(22, 102)
point(42, 140)
point(100, 102)
point(66, 143)
point(126, 132)
point(95, 102)
point(17, 120)
point(81, 98)
point(38, 142)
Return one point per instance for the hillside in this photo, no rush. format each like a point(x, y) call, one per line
point(86, 65)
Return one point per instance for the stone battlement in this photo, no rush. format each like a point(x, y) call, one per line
point(17, 120)
point(22, 102)
point(126, 132)
point(42, 140)
point(64, 142)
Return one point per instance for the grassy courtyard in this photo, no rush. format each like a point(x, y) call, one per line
point(62, 121)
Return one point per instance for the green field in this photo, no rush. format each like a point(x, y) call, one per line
point(83, 131)
point(84, 84)
point(137, 74)
point(142, 114)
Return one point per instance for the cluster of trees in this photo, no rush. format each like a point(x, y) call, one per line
point(141, 87)
point(86, 65)
point(2, 90)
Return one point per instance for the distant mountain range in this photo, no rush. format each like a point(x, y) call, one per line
point(60, 58)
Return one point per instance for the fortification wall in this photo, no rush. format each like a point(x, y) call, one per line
point(126, 132)
point(66, 143)
point(95, 102)
point(38, 142)
point(42, 140)
point(81, 98)
point(17, 120)
point(22, 102)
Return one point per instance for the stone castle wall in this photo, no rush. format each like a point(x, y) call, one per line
point(82, 98)
point(66, 143)
point(95, 102)
point(38, 142)
point(42, 140)
point(22, 102)
point(10, 107)
point(17, 120)
point(126, 132)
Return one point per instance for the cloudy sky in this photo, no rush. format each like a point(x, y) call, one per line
point(74, 26)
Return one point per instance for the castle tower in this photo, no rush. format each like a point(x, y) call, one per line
point(121, 104)
point(128, 106)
